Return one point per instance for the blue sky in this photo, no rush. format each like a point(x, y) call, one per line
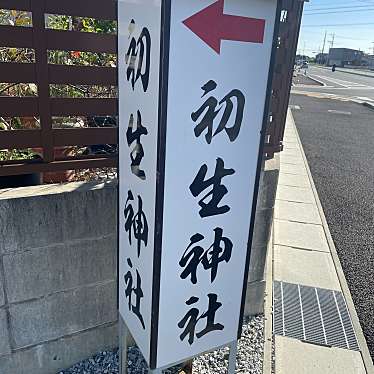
point(348, 13)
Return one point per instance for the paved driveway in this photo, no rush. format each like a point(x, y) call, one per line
point(341, 84)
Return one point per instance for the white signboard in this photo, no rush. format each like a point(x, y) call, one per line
point(203, 112)
point(138, 65)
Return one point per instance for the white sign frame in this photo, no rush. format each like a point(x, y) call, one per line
point(158, 338)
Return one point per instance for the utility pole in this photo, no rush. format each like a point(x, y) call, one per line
point(324, 43)
point(373, 47)
point(319, 54)
point(332, 41)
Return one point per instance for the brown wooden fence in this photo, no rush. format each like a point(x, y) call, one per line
point(41, 40)
point(288, 37)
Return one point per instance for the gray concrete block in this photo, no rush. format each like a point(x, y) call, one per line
point(300, 235)
point(291, 159)
point(291, 141)
point(294, 180)
point(291, 145)
point(89, 214)
point(290, 130)
point(55, 189)
point(295, 356)
point(41, 220)
point(2, 296)
point(51, 357)
point(297, 212)
point(63, 314)
point(294, 169)
point(257, 263)
point(30, 222)
point(261, 231)
point(309, 268)
point(255, 298)
point(296, 194)
point(43, 271)
point(4, 335)
point(292, 152)
point(263, 219)
point(268, 184)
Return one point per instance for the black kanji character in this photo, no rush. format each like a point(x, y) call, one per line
point(217, 192)
point(137, 153)
point(210, 259)
point(212, 107)
point(136, 223)
point(137, 291)
point(139, 53)
point(190, 320)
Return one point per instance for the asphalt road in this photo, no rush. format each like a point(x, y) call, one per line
point(341, 84)
point(338, 139)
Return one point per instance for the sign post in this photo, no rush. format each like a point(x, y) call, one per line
point(194, 88)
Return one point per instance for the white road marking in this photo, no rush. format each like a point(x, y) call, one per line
point(323, 95)
point(367, 88)
point(332, 80)
point(363, 98)
point(339, 112)
point(343, 83)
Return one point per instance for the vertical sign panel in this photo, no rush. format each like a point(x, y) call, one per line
point(139, 25)
point(218, 74)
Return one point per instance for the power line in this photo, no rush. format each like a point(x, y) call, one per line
point(348, 38)
point(332, 41)
point(349, 5)
point(339, 12)
point(336, 8)
point(341, 24)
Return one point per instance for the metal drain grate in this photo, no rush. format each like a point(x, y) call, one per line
point(315, 315)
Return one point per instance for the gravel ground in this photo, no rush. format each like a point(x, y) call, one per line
point(339, 149)
point(249, 358)
point(250, 352)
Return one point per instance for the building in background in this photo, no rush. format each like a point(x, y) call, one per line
point(321, 58)
point(345, 56)
point(368, 61)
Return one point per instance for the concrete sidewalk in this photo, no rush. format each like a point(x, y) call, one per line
point(315, 328)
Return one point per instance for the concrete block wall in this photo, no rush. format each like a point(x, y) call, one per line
point(58, 266)
point(261, 237)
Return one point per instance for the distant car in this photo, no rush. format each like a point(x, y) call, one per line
point(304, 65)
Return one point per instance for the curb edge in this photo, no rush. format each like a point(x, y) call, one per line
point(317, 80)
point(368, 105)
point(267, 362)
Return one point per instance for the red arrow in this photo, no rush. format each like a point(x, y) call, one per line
point(212, 26)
